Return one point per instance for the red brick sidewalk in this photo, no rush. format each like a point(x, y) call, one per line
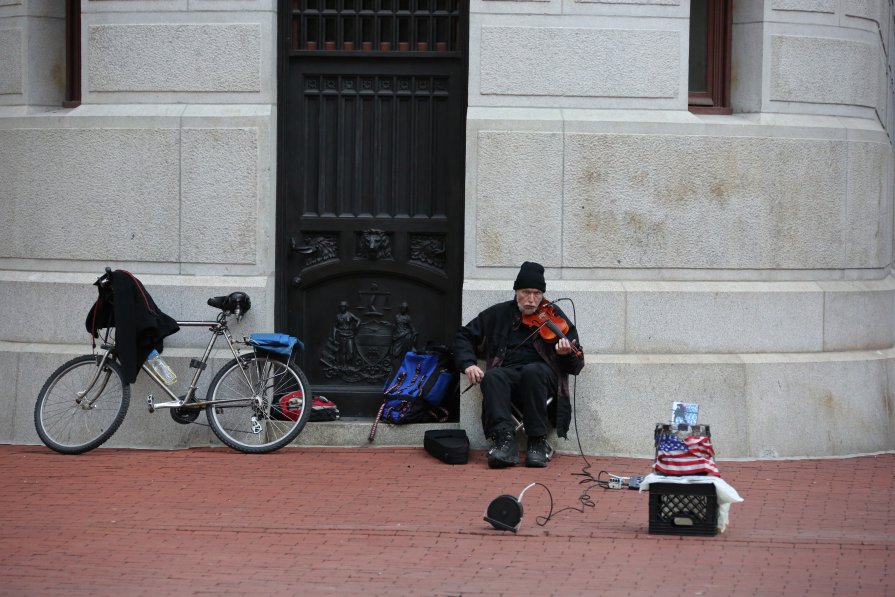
point(397, 522)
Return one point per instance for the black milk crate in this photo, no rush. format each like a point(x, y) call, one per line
point(683, 509)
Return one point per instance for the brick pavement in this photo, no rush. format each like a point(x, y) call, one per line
point(321, 521)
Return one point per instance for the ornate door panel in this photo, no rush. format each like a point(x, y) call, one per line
point(372, 177)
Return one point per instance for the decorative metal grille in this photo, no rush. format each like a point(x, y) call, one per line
point(376, 25)
point(376, 145)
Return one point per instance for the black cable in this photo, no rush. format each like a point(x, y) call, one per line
point(590, 482)
point(585, 500)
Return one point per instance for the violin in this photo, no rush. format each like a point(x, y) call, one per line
point(550, 325)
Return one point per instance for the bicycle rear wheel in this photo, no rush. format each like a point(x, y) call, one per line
point(259, 404)
point(71, 424)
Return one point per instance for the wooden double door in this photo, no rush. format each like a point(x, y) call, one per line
point(371, 171)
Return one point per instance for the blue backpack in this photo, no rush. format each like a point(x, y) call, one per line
point(415, 391)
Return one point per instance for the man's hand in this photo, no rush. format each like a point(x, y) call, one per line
point(564, 347)
point(473, 374)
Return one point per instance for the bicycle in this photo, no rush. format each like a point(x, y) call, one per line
point(257, 402)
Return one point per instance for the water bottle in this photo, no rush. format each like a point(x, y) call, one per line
point(161, 368)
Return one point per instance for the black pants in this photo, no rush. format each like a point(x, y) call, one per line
point(529, 386)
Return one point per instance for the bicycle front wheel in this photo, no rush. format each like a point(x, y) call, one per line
point(73, 417)
point(258, 404)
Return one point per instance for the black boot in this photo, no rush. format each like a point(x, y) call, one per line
point(505, 451)
point(536, 456)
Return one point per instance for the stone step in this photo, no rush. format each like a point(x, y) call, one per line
point(354, 433)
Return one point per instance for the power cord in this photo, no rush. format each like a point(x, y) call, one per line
point(588, 480)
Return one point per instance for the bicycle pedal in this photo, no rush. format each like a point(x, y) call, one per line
point(150, 403)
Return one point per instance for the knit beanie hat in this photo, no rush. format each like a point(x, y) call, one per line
point(531, 275)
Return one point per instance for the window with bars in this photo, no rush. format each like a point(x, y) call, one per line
point(376, 25)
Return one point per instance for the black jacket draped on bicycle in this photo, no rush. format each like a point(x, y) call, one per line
point(139, 324)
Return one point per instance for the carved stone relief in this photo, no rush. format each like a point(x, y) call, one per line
point(327, 246)
point(363, 343)
point(428, 250)
point(373, 244)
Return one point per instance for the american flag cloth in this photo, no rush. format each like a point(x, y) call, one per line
point(692, 456)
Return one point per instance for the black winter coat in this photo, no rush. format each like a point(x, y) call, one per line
point(139, 324)
point(487, 335)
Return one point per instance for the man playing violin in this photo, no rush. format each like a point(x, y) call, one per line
point(525, 363)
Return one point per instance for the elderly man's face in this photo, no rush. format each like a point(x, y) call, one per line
point(528, 300)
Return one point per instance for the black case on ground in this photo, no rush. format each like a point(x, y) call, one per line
point(448, 445)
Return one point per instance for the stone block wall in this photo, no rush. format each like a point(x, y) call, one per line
point(742, 262)
point(167, 169)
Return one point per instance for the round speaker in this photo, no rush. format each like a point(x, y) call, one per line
point(504, 513)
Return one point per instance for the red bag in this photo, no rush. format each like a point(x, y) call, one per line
point(322, 409)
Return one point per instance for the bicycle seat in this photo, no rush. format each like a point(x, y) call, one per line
point(235, 302)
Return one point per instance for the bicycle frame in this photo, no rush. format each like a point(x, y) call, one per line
point(217, 328)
